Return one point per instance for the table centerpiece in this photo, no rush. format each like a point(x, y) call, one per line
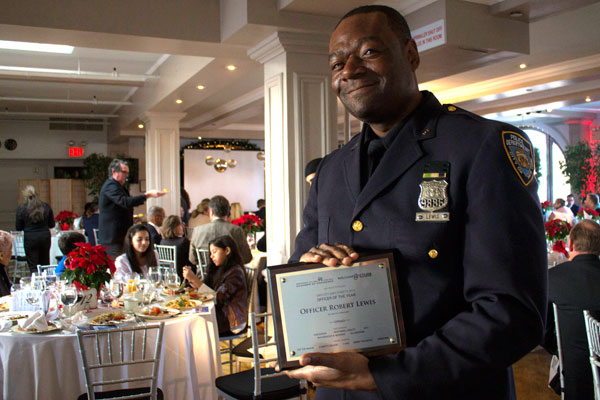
point(65, 219)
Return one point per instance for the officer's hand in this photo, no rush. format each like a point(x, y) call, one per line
point(330, 255)
point(345, 370)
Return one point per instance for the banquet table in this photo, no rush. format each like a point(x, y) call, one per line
point(48, 366)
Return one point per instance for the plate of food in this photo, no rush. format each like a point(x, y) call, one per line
point(183, 303)
point(112, 318)
point(51, 328)
point(156, 312)
point(205, 296)
point(14, 316)
point(4, 307)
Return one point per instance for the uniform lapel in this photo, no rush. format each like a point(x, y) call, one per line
point(352, 169)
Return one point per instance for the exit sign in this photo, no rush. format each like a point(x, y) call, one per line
point(75, 151)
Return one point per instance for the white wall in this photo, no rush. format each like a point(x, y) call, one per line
point(38, 151)
point(244, 184)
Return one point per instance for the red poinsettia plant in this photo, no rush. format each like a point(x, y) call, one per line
point(249, 223)
point(557, 229)
point(560, 247)
point(65, 219)
point(547, 206)
point(593, 214)
point(88, 266)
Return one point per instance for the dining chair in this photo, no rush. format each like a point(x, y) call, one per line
point(167, 257)
point(49, 269)
point(592, 327)
point(96, 236)
point(560, 354)
point(203, 255)
point(131, 353)
point(258, 382)
point(228, 350)
point(20, 266)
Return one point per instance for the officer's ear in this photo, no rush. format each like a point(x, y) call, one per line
point(412, 54)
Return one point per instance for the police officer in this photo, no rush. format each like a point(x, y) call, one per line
point(433, 183)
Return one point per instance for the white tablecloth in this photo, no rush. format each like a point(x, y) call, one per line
point(48, 366)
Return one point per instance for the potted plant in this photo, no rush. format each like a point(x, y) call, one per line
point(88, 268)
point(250, 224)
point(65, 219)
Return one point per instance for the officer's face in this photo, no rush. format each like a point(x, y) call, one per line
point(372, 71)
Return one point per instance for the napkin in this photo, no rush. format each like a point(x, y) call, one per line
point(71, 324)
point(5, 325)
point(36, 321)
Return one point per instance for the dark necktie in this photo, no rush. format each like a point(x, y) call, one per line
point(375, 151)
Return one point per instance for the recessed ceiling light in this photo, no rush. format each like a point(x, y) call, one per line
point(516, 14)
point(201, 87)
point(41, 47)
point(548, 110)
point(587, 99)
point(523, 66)
point(178, 101)
point(199, 137)
point(141, 126)
point(231, 67)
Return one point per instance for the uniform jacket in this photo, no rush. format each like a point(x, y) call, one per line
point(116, 211)
point(205, 233)
point(478, 304)
point(574, 288)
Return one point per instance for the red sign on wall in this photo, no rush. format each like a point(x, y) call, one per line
point(75, 151)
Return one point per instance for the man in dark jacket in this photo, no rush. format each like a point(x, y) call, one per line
point(574, 288)
point(116, 207)
point(423, 179)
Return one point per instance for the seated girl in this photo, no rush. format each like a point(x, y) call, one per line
point(227, 278)
point(139, 254)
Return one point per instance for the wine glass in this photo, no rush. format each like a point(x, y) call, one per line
point(35, 291)
point(68, 296)
point(172, 280)
point(116, 289)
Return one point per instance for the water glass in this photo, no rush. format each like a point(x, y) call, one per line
point(116, 289)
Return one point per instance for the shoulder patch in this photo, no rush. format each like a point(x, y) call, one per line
point(520, 154)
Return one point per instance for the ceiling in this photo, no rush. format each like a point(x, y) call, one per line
point(130, 58)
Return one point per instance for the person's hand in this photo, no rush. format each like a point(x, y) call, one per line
point(155, 193)
point(344, 370)
point(191, 277)
point(330, 255)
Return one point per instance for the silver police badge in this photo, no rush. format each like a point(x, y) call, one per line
point(433, 197)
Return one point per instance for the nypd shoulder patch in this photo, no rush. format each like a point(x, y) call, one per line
point(520, 154)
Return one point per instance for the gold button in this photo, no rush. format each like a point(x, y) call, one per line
point(425, 132)
point(357, 226)
point(433, 253)
point(451, 108)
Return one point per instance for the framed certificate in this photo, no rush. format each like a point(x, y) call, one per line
point(329, 309)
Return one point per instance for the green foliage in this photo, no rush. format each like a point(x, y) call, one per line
point(538, 165)
point(580, 162)
point(96, 172)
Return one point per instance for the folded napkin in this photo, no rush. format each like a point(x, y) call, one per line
point(71, 324)
point(5, 325)
point(36, 321)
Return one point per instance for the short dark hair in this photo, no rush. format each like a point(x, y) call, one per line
point(593, 197)
point(560, 201)
point(67, 240)
point(570, 195)
point(395, 20)
point(219, 206)
point(312, 166)
point(115, 165)
point(260, 203)
point(585, 237)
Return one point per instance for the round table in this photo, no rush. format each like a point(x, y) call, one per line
point(48, 366)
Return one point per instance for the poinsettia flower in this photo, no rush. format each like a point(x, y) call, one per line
point(560, 247)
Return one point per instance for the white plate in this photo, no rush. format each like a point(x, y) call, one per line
point(193, 304)
point(171, 312)
point(11, 315)
point(51, 328)
point(128, 318)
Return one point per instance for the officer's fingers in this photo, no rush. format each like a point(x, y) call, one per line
point(351, 253)
point(338, 251)
point(311, 256)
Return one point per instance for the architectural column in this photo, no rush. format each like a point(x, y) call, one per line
point(162, 159)
point(300, 125)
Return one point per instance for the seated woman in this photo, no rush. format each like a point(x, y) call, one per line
point(6, 241)
point(172, 231)
point(139, 254)
point(228, 279)
point(66, 244)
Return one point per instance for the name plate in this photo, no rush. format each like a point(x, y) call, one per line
point(329, 309)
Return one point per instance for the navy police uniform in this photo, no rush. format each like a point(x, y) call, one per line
point(455, 196)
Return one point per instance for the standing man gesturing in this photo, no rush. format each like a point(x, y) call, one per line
point(433, 183)
point(116, 207)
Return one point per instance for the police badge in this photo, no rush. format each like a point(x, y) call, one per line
point(433, 198)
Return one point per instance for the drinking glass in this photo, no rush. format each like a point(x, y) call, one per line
point(68, 295)
point(35, 291)
point(116, 289)
point(172, 280)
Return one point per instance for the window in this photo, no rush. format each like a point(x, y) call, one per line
point(552, 184)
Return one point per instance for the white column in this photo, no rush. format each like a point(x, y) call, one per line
point(162, 159)
point(300, 125)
